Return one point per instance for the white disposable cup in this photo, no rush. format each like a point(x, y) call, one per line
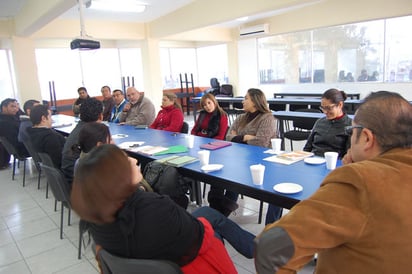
point(331, 159)
point(258, 172)
point(276, 143)
point(190, 141)
point(203, 157)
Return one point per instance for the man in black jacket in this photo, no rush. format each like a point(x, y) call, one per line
point(43, 137)
point(9, 125)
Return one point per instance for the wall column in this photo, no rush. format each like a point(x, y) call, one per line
point(25, 67)
point(152, 73)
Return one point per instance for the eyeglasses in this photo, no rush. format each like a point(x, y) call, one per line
point(327, 108)
point(349, 129)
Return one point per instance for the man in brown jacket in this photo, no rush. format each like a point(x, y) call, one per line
point(359, 220)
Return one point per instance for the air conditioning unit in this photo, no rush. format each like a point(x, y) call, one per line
point(84, 44)
point(254, 30)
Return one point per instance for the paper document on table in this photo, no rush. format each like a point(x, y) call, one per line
point(289, 157)
point(150, 150)
point(131, 146)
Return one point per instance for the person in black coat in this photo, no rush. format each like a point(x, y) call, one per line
point(10, 123)
point(43, 137)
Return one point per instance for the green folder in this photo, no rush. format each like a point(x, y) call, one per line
point(173, 149)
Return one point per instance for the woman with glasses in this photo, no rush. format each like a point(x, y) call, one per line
point(328, 133)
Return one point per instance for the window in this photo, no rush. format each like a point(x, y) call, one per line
point(6, 82)
point(70, 69)
point(369, 51)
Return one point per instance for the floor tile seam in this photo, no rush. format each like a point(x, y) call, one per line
point(34, 235)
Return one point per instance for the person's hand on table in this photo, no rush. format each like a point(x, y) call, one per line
point(248, 137)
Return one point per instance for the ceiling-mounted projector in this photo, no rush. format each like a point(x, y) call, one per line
point(84, 44)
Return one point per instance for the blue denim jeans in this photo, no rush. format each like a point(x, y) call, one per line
point(240, 239)
point(273, 214)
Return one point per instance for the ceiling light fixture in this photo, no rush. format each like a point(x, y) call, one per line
point(242, 19)
point(132, 6)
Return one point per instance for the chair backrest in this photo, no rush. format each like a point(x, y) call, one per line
point(55, 178)
point(214, 83)
point(33, 153)
point(226, 90)
point(185, 127)
point(45, 159)
point(232, 114)
point(8, 146)
point(111, 264)
point(305, 123)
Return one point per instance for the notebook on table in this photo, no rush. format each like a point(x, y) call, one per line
point(215, 145)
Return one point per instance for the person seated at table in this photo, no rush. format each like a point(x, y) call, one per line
point(91, 110)
point(255, 127)
point(212, 120)
point(91, 135)
point(117, 109)
point(328, 133)
point(10, 124)
point(108, 102)
point(43, 138)
point(170, 117)
point(83, 96)
point(138, 111)
point(359, 220)
point(25, 121)
point(131, 223)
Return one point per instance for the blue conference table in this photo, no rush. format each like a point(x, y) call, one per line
point(235, 175)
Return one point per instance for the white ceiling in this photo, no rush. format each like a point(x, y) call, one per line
point(10, 8)
point(154, 10)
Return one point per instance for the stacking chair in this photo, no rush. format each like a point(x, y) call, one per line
point(36, 159)
point(11, 149)
point(59, 187)
point(301, 127)
point(111, 264)
point(61, 191)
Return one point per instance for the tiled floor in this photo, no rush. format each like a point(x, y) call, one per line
point(29, 231)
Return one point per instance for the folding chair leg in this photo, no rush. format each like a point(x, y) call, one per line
point(24, 172)
point(47, 192)
point(68, 218)
point(38, 179)
point(260, 212)
point(79, 252)
point(55, 205)
point(204, 190)
point(14, 168)
point(61, 221)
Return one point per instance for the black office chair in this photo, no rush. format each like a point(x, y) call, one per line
point(185, 127)
point(111, 264)
point(301, 127)
point(12, 150)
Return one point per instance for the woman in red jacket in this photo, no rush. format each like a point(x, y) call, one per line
point(212, 120)
point(170, 117)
